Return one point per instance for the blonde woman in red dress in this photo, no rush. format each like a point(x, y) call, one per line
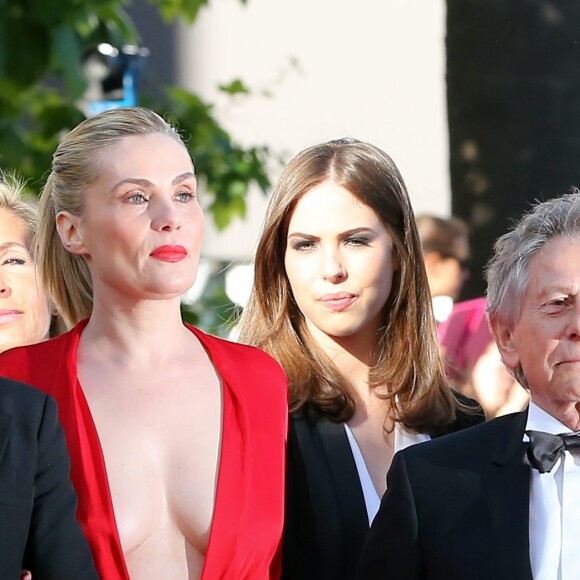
point(176, 437)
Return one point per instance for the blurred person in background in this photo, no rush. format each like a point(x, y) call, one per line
point(26, 313)
point(473, 362)
point(445, 245)
point(341, 300)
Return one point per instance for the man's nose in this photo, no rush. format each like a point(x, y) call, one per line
point(573, 328)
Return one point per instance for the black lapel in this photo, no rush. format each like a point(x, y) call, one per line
point(508, 490)
point(5, 422)
point(355, 523)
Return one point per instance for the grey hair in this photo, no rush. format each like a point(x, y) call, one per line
point(507, 272)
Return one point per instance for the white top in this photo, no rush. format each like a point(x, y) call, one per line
point(402, 439)
point(554, 509)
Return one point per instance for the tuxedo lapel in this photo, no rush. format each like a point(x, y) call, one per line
point(508, 490)
point(5, 422)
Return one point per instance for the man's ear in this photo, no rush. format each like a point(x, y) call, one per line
point(503, 336)
point(67, 226)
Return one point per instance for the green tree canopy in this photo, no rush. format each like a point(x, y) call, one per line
point(42, 46)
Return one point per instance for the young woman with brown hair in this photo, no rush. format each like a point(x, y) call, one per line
point(341, 300)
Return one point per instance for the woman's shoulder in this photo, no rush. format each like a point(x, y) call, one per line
point(241, 363)
point(235, 350)
point(39, 350)
point(37, 364)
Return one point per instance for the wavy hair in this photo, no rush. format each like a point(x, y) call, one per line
point(407, 368)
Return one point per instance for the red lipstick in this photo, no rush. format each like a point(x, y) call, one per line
point(169, 253)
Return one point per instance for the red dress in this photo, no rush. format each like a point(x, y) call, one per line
point(246, 530)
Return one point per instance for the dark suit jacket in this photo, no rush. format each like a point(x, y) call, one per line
point(38, 529)
point(455, 508)
point(326, 518)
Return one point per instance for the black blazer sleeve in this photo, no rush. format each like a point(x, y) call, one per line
point(39, 531)
point(397, 527)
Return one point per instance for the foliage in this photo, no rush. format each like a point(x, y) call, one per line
point(42, 43)
point(42, 46)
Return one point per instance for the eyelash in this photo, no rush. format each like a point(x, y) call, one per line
point(188, 195)
point(131, 198)
point(358, 241)
point(14, 261)
point(302, 246)
point(354, 241)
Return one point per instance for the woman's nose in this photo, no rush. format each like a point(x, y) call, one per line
point(5, 290)
point(165, 217)
point(333, 268)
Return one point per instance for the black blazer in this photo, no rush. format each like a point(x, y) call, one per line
point(455, 508)
point(326, 519)
point(38, 529)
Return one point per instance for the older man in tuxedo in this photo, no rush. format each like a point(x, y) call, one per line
point(38, 530)
point(502, 500)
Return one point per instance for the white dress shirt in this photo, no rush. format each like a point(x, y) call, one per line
point(402, 439)
point(554, 509)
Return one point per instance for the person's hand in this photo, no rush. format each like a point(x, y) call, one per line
point(25, 575)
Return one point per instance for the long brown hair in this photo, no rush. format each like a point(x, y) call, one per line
point(408, 368)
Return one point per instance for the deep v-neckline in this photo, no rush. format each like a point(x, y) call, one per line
point(226, 406)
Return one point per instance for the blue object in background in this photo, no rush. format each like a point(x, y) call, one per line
point(113, 77)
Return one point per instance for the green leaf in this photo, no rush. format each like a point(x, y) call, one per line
point(186, 9)
point(235, 87)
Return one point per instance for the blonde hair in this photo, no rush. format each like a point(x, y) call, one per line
point(14, 199)
point(75, 166)
point(407, 367)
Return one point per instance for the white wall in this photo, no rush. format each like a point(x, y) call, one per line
point(370, 69)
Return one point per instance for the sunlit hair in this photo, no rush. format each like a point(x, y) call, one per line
point(507, 272)
point(76, 165)
point(407, 370)
point(14, 199)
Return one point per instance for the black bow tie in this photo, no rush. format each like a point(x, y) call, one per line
point(545, 449)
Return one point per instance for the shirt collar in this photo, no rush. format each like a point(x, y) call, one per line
point(539, 420)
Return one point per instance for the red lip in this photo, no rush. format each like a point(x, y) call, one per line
point(338, 301)
point(169, 253)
